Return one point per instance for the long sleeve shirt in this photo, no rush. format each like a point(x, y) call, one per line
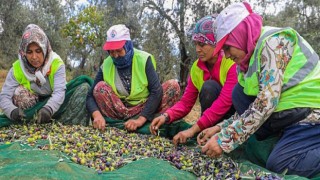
point(275, 55)
point(56, 96)
point(219, 107)
point(154, 87)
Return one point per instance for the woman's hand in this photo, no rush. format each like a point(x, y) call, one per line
point(183, 136)
point(212, 148)
point(134, 124)
point(156, 124)
point(98, 121)
point(206, 134)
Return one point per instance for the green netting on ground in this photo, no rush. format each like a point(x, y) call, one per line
point(24, 162)
point(20, 161)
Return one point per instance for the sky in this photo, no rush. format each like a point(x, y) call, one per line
point(78, 2)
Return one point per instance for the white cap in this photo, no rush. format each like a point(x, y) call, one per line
point(117, 36)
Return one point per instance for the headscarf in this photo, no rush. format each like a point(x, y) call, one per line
point(34, 34)
point(245, 37)
point(203, 31)
point(125, 61)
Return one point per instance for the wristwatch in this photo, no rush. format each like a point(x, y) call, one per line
point(166, 117)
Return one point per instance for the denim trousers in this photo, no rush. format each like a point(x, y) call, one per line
point(298, 149)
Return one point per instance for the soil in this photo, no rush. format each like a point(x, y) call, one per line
point(194, 114)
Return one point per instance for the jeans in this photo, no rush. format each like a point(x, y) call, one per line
point(298, 151)
point(241, 101)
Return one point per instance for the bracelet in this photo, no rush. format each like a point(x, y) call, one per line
point(166, 117)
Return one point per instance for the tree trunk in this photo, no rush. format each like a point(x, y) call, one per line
point(83, 61)
point(184, 67)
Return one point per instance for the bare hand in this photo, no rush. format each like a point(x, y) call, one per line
point(98, 121)
point(212, 148)
point(156, 124)
point(134, 124)
point(206, 134)
point(183, 136)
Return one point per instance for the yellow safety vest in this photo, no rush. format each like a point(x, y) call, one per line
point(301, 77)
point(22, 79)
point(139, 82)
point(197, 74)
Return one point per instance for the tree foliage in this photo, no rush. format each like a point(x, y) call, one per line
point(85, 32)
point(176, 14)
point(12, 17)
point(15, 15)
point(303, 16)
point(160, 27)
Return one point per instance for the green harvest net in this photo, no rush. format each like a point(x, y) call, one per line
point(56, 151)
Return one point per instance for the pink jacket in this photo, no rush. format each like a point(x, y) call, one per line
point(219, 107)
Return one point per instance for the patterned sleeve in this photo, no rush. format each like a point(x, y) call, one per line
point(6, 94)
point(276, 53)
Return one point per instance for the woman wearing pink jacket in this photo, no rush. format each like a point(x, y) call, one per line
point(212, 79)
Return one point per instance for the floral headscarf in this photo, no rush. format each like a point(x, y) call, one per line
point(34, 34)
point(203, 31)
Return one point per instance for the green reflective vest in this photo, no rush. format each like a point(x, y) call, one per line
point(139, 82)
point(301, 77)
point(22, 79)
point(197, 74)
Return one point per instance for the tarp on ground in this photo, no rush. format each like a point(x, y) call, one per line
point(20, 161)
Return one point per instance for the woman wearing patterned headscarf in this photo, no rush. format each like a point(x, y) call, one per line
point(37, 76)
point(212, 78)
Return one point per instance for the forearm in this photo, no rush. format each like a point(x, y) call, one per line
point(152, 104)
point(195, 129)
point(155, 92)
point(185, 104)
point(91, 104)
point(8, 88)
point(59, 91)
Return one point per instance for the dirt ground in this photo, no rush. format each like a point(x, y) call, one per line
point(194, 114)
point(3, 75)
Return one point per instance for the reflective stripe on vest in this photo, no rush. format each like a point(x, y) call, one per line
point(300, 73)
point(197, 74)
point(22, 79)
point(139, 81)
